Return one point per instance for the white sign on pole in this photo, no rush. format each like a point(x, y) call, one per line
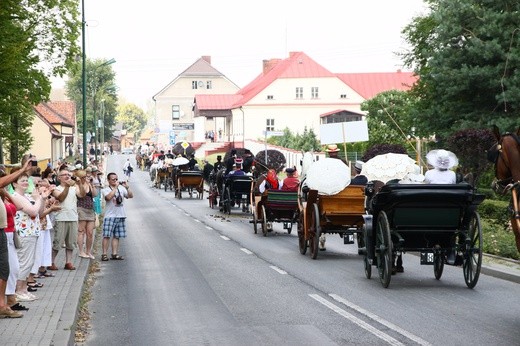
point(347, 132)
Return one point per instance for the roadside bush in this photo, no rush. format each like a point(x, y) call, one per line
point(495, 211)
point(498, 240)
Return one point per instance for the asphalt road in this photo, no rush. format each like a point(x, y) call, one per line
point(192, 277)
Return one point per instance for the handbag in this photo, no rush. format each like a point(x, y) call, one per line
point(16, 240)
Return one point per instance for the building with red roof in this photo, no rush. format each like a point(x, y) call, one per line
point(295, 93)
point(53, 130)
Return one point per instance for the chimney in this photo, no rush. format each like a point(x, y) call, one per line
point(268, 65)
point(207, 58)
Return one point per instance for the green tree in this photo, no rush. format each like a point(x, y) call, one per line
point(38, 39)
point(133, 118)
point(470, 146)
point(465, 54)
point(389, 118)
point(305, 142)
point(101, 94)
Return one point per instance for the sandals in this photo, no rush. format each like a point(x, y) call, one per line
point(104, 258)
point(117, 257)
point(34, 284)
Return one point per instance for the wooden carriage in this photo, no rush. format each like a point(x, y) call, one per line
point(341, 213)
point(190, 181)
point(275, 206)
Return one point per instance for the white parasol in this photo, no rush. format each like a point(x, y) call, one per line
point(387, 167)
point(179, 161)
point(328, 176)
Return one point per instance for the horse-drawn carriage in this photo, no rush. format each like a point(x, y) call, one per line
point(340, 213)
point(438, 221)
point(236, 190)
point(275, 206)
point(189, 181)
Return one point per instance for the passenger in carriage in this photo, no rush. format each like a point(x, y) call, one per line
point(270, 182)
point(231, 161)
point(290, 183)
point(237, 169)
point(218, 164)
point(248, 160)
point(192, 163)
point(442, 162)
point(169, 155)
point(358, 179)
point(333, 151)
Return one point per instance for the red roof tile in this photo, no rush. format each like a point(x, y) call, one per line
point(369, 85)
point(58, 112)
point(216, 101)
point(297, 65)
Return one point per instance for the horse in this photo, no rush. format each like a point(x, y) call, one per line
point(505, 154)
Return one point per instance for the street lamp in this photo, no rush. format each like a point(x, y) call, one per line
point(84, 83)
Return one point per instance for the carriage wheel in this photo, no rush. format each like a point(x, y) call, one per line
point(302, 243)
point(473, 252)
point(255, 220)
point(383, 249)
point(315, 238)
point(438, 263)
point(367, 249)
point(264, 222)
point(227, 201)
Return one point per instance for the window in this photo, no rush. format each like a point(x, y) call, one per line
point(194, 84)
point(299, 92)
point(270, 97)
point(269, 125)
point(209, 85)
point(314, 92)
point(343, 96)
point(176, 112)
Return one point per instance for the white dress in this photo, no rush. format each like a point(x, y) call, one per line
point(436, 176)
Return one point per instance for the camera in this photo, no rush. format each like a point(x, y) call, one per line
point(119, 199)
point(34, 163)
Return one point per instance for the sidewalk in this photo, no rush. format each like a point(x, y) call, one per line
point(51, 318)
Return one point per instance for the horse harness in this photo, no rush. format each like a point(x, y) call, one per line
point(502, 186)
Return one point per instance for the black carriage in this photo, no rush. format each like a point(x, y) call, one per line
point(275, 206)
point(236, 191)
point(440, 222)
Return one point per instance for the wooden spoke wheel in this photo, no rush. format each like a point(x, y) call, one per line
point(314, 240)
point(383, 249)
point(264, 222)
point(472, 257)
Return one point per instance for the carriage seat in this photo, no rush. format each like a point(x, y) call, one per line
point(281, 200)
point(350, 200)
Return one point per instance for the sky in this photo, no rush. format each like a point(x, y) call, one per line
point(154, 41)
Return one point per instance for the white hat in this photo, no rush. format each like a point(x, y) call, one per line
point(442, 159)
point(358, 165)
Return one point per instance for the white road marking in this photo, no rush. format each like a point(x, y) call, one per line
point(383, 336)
point(224, 237)
point(246, 251)
point(380, 320)
point(283, 272)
